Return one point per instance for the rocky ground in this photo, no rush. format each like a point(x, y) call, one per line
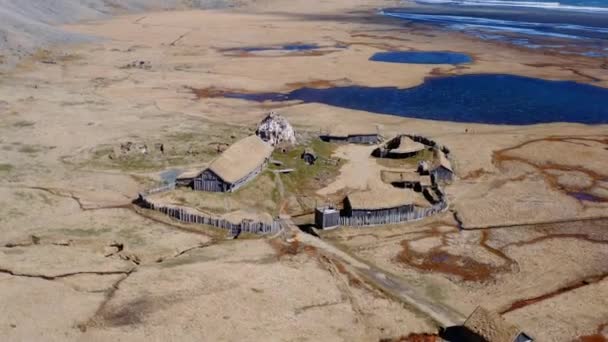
point(79, 261)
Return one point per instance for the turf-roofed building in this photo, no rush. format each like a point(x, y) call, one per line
point(238, 165)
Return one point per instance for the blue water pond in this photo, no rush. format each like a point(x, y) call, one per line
point(583, 196)
point(422, 57)
point(286, 47)
point(479, 98)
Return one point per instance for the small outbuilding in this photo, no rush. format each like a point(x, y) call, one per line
point(327, 217)
point(423, 167)
point(484, 325)
point(342, 135)
point(309, 156)
point(441, 171)
point(239, 164)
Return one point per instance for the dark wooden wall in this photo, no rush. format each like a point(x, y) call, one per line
point(364, 139)
point(209, 181)
point(441, 175)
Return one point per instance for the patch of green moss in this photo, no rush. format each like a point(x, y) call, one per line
point(24, 196)
point(23, 123)
point(181, 148)
point(6, 167)
point(276, 194)
point(29, 149)
point(83, 232)
point(305, 180)
point(132, 237)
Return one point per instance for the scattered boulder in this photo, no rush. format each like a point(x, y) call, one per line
point(146, 65)
point(276, 130)
point(129, 149)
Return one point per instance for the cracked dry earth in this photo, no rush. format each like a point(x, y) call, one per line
point(61, 289)
point(549, 279)
point(86, 270)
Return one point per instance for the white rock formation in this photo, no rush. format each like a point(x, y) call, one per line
point(276, 130)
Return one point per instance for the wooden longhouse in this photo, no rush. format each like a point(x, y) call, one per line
point(382, 203)
point(236, 166)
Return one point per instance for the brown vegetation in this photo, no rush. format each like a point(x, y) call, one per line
point(438, 260)
point(413, 338)
point(319, 84)
point(444, 262)
point(283, 248)
point(474, 174)
point(598, 337)
point(525, 302)
point(546, 168)
point(213, 92)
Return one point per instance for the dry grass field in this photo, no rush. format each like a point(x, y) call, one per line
point(526, 233)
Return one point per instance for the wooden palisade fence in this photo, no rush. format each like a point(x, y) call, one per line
point(183, 215)
point(398, 217)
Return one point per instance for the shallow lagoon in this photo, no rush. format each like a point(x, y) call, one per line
point(479, 98)
point(285, 47)
point(422, 57)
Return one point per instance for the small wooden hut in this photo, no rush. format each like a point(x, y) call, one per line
point(327, 217)
point(484, 325)
point(441, 170)
point(309, 156)
point(239, 164)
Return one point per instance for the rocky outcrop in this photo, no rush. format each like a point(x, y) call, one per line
point(276, 130)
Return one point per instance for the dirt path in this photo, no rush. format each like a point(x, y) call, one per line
point(389, 283)
point(282, 202)
point(360, 171)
